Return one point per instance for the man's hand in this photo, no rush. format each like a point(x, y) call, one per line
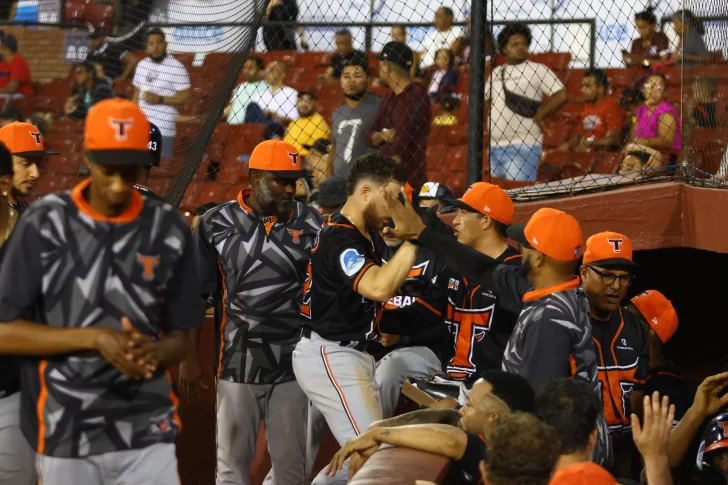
point(358, 458)
point(361, 443)
point(447, 403)
point(141, 348)
point(407, 223)
point(113, 346)
point(191, 379)
point(707, 400)
point(151, 98)
point(388, 135)
point(653, 435)
point(389, 340)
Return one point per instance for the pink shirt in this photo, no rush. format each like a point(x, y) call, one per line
point(647, 124)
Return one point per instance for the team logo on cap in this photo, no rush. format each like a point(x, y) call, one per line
point(616, 244)
point(36, 135)
point(486, 208)
point(121, 127)
point(654, 320)
point(577, 252)
point(294, 158)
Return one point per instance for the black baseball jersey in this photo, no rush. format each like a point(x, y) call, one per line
point(331, 306)
point(466, 470)
point(255, 267)
point(666, 380)
point(623, 362)
point(72, 267)
point(479, 325)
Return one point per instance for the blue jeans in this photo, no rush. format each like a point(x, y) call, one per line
point(515, 162)
point(254, 114)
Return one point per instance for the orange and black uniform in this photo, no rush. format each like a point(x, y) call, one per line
point(466, 470)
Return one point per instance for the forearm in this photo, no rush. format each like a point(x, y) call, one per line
point(656, 143)
point(423, 416)
point(464, 260)
point(22, 337)
point(682, 435)
point(658, 471)
point(174, 348)
point(441, 439)
point(180, 98)
point(388, 278)
point(551, 106)
point(130, 63)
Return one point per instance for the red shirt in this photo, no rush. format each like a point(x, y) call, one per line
point(16, 69)
point(600, 118)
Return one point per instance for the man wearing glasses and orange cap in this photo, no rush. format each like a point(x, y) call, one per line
point(111, 302)
point(25, 142)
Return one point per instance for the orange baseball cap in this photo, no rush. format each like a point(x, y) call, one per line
point(24, 140)
point(551, 232)
point(279, 157)
point(585, 473)
point(116, 132)
point(487, 199)
point(658, 311)
point(609, 249)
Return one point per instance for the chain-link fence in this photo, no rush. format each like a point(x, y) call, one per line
point(577, 96)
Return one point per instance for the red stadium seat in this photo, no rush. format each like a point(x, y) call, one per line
point(221, 133)
point(186, 58)
point(216, 152)
point(218, 60)
point(48, 183)
point(74, 12)
point(211, 192)
point(314, 59)
point(289, 58)
point(56, 88)
point(557, 132)
point(191, 195)
point(99, 15)
point(65, 164)
point(124, 89)
point(436, 156)
point(624, 78)
point(67, 125)
point(159, 185)
point(232, 193)
point(608, 164)
point(231, 173)
point(244, 138)
point(573, 83)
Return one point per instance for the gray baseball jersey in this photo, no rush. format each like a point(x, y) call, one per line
point(350, 128)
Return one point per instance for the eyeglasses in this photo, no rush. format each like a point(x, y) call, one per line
point(609, 278)
point(659, 87)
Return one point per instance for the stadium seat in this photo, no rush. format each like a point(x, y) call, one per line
point(567, 164)
point(673, 75)
point(64, 142)
point(314, 59)
point(231, 172)
point(48, 183)
point(216, 152)
point(218, 60)
point(436, 155)
point(99, 15)
point(189, 199)
point(65, 164)
point(221, 133)
point(244, 138)
point(557, 132)
point(56, 88)
point(158, 185)
point(211, 192)
point(608, 163)
point(717, 72)
point(624, 78)
point(232, 193)
point(573, 83)
point(67, 125)
point(186, 58)
point(448, 135)
point(74, 12)
point(124, 89)
point(288, 58)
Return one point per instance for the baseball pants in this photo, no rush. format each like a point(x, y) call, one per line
point(17, 458)
point(240, 408)
point(396, 366)
point(340, 383)
point(153, 465)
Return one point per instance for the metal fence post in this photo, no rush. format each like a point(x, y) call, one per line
point(476, 92)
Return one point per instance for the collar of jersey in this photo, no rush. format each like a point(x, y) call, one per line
point(131, 212)
point(536, 294)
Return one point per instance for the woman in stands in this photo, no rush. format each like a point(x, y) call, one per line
point(441, 75)
point(650, 45)
point(690, 48)
point(656, 133)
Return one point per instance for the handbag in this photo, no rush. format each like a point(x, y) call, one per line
point(520, 105)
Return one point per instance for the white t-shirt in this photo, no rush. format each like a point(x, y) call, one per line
point(436, 40)
point(282, 102)
point(165, 78)
point(530, 80)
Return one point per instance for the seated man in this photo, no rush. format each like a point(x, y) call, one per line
point(449, 432)
point(310, 125)
point(345, 53)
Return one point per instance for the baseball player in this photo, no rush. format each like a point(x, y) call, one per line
point(342, 299)
point(155, 148)
point(98, 291)
point(253, 254)
point(552, 336)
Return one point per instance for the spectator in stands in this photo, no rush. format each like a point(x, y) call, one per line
point(317, 160)
point(117, 63)
point(278, 101)
point(434, 194)
point(25, 142)
point(10, 115)
point(403, 121)
point(399, 33)
point(441, 75)
point(88, 91)
point(443, 37)
point(650, 46)
point(345, 54)
point(310, 125)
point(457, 434)
point(601, 119)
point(521, 450)
point(330, 196)
point(461, 47)
point(629, 100)
point(702, 104)
point(280, 38)
point(515, 93)
point(690, 49)
point(352, 120)
point(15, 78)
point(162, 84)
point(42, 121)
point(449, 104)
point(247, 92)
point(657, 132)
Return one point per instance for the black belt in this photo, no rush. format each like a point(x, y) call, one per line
point(306, 332)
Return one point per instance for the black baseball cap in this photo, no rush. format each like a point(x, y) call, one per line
point(397, 53)
point(321, 145)
point(435, 190)
point(332, 192)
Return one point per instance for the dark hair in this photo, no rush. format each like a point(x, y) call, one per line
point(12, 114)
point(10, 42)
point(449, 52)
point(513, 29)
point(6, 161)
point(521, 451)
point(400, 26)
point(448, 11)
point(572, 408)
point(343, 33)
point(500, 228)
point(204, 208)
point(88, 67)
point(376, 166)
point(689, 18)
point(648, 16)
point(512, 389)
point(156, 31)
point(599, 76)
point(258, 61)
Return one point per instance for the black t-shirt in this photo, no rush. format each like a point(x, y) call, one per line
point(339, 62)
point(331, 305)
point(110, 56)
point(466, 470)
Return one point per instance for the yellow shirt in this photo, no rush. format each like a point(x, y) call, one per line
point(305, 131)
point(445, 119)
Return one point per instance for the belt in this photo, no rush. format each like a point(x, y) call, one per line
point(306, 332)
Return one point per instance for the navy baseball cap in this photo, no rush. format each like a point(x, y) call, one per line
point(435, 190)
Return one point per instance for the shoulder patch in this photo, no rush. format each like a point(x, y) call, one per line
point(351, 261)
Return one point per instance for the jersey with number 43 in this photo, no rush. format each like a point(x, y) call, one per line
point(479, 326)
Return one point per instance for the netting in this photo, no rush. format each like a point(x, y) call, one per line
point(579, 96)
